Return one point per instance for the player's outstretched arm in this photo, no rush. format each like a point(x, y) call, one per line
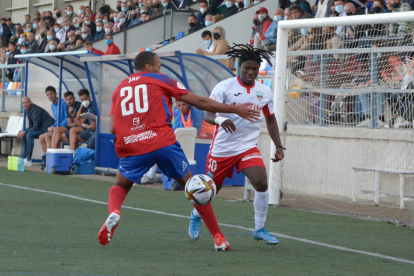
point(271, 124)
point(209, 105)
point(225, 123)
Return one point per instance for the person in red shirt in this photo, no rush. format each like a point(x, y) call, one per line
point(263, 23)
point(89, 47)
point(140, 118)
point(112, 48)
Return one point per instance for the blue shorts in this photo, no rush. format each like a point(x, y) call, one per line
point(171, 160)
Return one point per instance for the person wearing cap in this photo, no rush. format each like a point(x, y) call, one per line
point(264, 24)
point(231, 8)
point(89, 47)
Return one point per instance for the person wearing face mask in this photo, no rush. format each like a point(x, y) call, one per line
point(49, 20)
point(67, 27)
point(118, 6)
point(192, 22)
point(52, 47)
point(77, 23)
point(88, 12)
point(263, 22)
point(32, 44)
point(356, 31)
point(81, 12)
point(303, 4)
point(86, 34)
point(157, 10)
point(50, 36)
point(207, 37)
point(401, 28)
point(231, 8)
point(130, 8)
point(100, 32)
point(11, 59)
point(22, 39)
point(42, 41)
point(89, 47)
point(135, 20)
point(70, 13)
point(220, 46)
point(57, 15)
point(271, 33)
point(332, 42)
point(108, 28)
point(204, 11)
point(87, 22)
point(84, 128)
point(59, 33)
point(28, 28)
point(112, 48)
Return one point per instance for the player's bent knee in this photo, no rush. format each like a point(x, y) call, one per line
point(261, 186)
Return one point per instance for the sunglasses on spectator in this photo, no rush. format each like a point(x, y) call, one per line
point(84, 32)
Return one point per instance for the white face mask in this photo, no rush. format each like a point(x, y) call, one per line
point(203, 10)
point(262, 17)
point(107, 30)
point(86, 103)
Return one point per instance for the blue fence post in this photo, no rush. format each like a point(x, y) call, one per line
point(25, 73)
point(60, 90)
point(3, 92)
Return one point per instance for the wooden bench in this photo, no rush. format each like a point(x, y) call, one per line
point(376, 191)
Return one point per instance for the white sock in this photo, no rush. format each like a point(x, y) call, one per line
point(196, 213)
point(261, 203)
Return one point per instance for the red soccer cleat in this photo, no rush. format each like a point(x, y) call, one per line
point(220, 243)
point(108, 229)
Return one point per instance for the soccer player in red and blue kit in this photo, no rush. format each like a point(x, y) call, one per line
point(140, 118)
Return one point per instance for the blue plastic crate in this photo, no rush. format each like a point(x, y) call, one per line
point(88, 168)
point(59, 161)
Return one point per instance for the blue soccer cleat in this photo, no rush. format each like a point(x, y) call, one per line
point(194, 229)
point(262, 234)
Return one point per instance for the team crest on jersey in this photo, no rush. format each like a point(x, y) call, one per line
point(259, 95)
point(179, 85)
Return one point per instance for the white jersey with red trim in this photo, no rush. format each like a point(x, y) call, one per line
point(233, 92)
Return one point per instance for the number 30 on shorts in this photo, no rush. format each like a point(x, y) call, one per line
point(212, 165)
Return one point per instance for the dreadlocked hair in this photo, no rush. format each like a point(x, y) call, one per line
point(246, 52)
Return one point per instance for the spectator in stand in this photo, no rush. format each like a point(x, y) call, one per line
point(42, 41)
point(124, 7)
point(123, 22)
point(22, 39)
point(220, 46)
point(57, 15)
point(401, 28)
point(157, 10)
point(37, 16)
point(42, 26)
point(89, 47)
point(61, 134)
point(39, 121)
point(35, 26)
point(51, 36)
point(105, 18)
point(204, 11)
point(11, 26)
point(86, 34)
point(131, 7)
point(77, 22)
point(70, 13)
point(303, 4)
point(340, 10)
point(46, 138)
point(81, 12)
point(91, 25)
point(32, 43)
point(11, 59)
point(88, 12)
point(5, 38)
point(108, 28)
point(192, 22)
point(49, 20)
point(61, 47)
point(98, 18)
point(286, 14)
point(144, 15)
point(356, 31)
point(324, 9)
point(168, 5)
point(264, 24)
point(135, 20)
point(27, 19)
point(100, 32)
point(84, 128)
point(24, 48)
point(118, 6)
point(28, 28)
point(332, 42)
point(116, 21)
point(271, 33)
point(112, 48)
point(52, 47)
point(59, 33)
point(208, 40)
point(231, 8)
point(208, 20)
point(296, 12)
point(74, 41)
point(67, 27)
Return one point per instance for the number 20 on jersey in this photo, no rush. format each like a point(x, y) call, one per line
point(140, 102)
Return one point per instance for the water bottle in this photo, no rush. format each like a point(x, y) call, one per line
point(15, 159)
point(20, 164)
point(9, 163)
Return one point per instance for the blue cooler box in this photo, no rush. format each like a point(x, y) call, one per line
point(59, 161)
point(171, 184)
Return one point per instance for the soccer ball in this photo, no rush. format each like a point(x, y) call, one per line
point(200, 189)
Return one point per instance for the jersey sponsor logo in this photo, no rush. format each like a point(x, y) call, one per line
point(251, 156)
point(133, 79)
point(254, 106)
point(179, 85)
point(184, 165)
point(137, 125)
point(259, 95)
point(139, 137)
point(238, 94)
point(135, 121)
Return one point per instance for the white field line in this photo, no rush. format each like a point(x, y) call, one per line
point(224, 224)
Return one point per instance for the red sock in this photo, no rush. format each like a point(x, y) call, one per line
point(207, 214)
point(117, 196)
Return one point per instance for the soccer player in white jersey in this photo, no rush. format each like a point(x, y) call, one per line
point(235, 139)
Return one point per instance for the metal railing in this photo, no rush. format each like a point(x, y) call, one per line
point(12, 92)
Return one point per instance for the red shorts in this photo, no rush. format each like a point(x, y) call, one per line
point(221, 167)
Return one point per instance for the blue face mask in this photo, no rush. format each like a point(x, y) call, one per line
point(246, 3)
point(229, 4)
point(165, 5)
point(293, 1)
point(49, 37)
point(208, 23)
point(23, 51)
point(108, 42)
point(141, 5)
point(69, 12)
point(208, 42)
point(116, 19)
point(52, 47)
point(80, 11)
point(57, 30)
point(7, 53)
point(98, 20)
point(304, 31)
point(339, 9)
point(124, 9)
point(256, 2)
point(122, 20)
point(98, 29)
point(35, 25)
point(105, 21)
point(66, 28)
point(84, 36)
point(277, 18)
point(285, 18)
point(77, 25)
